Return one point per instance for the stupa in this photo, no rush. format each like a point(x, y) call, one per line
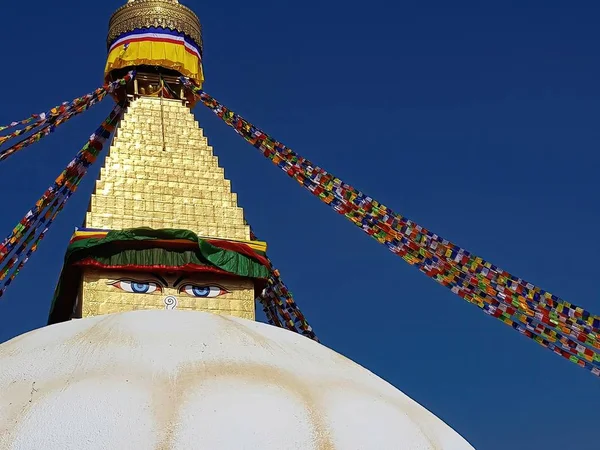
point(151, 340)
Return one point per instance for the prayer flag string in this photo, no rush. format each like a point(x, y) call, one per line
point(47, 127)
point(8, 274)
point(566, 329)
point(17, 248)
point(48, 121)
point(42, 116)
point(32, 118)
point(279, 304)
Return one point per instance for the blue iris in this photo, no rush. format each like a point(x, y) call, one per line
point(140, 288)
point(201, 291)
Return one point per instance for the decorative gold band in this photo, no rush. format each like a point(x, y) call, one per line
point(154, 13)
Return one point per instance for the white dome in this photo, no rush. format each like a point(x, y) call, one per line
point(191, 380)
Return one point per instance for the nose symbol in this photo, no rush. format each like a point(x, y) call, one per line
point(170, 302)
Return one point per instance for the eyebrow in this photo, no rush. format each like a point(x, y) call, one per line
point(178, 280)
point(161, 279)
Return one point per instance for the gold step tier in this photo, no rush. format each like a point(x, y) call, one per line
point(175, 182)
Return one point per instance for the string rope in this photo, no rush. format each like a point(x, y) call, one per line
point(34, 117)
point(59, 115)
point(23, 241)
point(564, 328)
point(42, 116)
point(49, 126)
point(279, 304)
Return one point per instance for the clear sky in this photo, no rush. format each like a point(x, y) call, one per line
point(478, 120)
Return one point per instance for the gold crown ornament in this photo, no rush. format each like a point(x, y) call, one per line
point(168, 14)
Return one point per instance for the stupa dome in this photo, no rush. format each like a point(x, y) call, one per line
point(192, 380)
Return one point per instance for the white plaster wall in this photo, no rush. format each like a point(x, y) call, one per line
point(192, 380)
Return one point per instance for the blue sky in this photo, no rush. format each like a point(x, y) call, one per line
point(478, 120)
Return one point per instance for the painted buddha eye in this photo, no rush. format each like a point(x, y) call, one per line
point(137, 287)
point(203, 291)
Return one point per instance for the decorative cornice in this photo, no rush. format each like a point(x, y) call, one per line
point(154, 13)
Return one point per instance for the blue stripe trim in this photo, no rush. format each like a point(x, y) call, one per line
point(157, 30)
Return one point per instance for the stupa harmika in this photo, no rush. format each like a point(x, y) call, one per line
point(164, 233)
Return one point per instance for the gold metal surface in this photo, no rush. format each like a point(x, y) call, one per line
point(154, 13)
point(142, 185)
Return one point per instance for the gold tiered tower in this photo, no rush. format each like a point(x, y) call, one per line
point(175, 182)
point(160, 173)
